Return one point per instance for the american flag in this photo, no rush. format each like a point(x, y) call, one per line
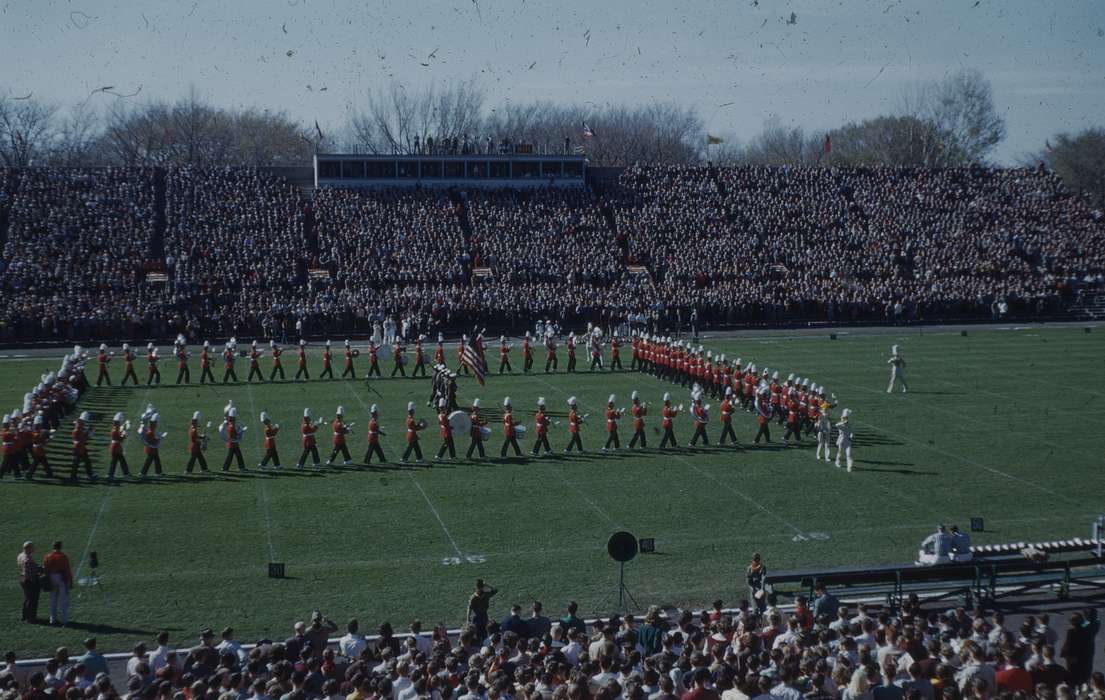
point(588, 132)
point(471, 358)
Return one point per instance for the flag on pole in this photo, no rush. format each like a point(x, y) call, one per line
point(712, 140)
point(470, 357)
point(588, 133)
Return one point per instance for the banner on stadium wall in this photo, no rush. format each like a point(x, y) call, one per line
point(319, 274)
point(156, 278)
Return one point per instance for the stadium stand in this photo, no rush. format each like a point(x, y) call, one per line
point(240, 251)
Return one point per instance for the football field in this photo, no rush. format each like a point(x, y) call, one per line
point(1004, 424)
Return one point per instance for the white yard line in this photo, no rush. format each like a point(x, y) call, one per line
point(414, 481)
point(266, 504)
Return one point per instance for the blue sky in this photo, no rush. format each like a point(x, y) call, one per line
point(739, 62)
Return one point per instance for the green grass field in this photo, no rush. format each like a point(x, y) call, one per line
point(1002, 424)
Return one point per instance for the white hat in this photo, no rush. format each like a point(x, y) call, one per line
point(155, 417)
point(347, 342)
point(410, 405)
point(126, 346)
point(728, 391)
point(103, 346)
point(85, 416)
point(775, 375)
point(229, 405)
point(441, 402)
point(306, 413)
point(571, 401)
point(7, 419)
point(506, 401)
point(893, 349)
point(39, 420)
point(17, 413)
point(118, 417)
point(207, 343)
point(327, 342)
point(272, 343)
point(709, 355)
point(764, 373)
point(302, 342)
point(611, 399)
point(373, 409)
point(195, 415)
point(845, 413)
point(540, 400)
point(790, 377)
point(149, 346)
point(440, 337)
point(667, 396)
point(76, 349)
point(340, 411)
point(721, 357)
point(502, 338)
point(264, 417)
point(527, 334)
point(738, 361)
point(633, 395)
point(475, 403)
point(232, 413)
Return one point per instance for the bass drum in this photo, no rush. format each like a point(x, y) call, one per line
point(485, 432)
point(519, 431)
point(460, 422)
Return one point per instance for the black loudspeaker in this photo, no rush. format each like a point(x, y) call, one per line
point(647, 544)
point(93, 561)
point(977, 525)
point(832, 336)
point(622, 546)
point(276, 570)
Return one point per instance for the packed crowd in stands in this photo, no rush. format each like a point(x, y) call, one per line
point(819, 650)
point(246, 253)
point(858, 243)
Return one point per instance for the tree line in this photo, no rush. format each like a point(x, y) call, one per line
point(945, 123)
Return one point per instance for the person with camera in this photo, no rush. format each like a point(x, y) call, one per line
point(478, 606)
point(30, 575)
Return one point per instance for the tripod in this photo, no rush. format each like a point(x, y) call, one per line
point(93, 579)
point(624, 595)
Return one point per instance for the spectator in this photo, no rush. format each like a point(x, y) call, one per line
point(56, 565)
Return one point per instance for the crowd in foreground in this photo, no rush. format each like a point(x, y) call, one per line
point(246, 253)
point(819, 650)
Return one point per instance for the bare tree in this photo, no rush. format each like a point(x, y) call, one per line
point(26, 131)
point(886, 140)
point(961, 108)
point(777, 144)
point(397, 120)
point(79, 139)
point(1080, 160)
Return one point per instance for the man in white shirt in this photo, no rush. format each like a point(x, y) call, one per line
point(353, 643)
point(595, 651)
point(424, 643)
point(137, 658)
point(228, 644)
point(574, 648)
point(403, 681)
point(604, 676)
point(790, 636)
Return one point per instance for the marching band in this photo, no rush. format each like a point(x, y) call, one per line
point(797, 403)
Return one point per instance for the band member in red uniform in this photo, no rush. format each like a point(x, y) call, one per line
point(639, 412)
point(462, 366)
point(154, 377)
point(445, 430)
point(39, 437)
point(668, 423)
point(541, 428)
point(350, 353)
point(277, 364)
point(726, 411)
point(413, 426)
point(595, 348)
point(504, 355)
point(476, 432)
point(115, 447)
point(374, 434)
point(151, 442)
point(701, 418)
point(550, 354)
point(397, 353)
point(11, 459)
point(128, 366)
point(612, 417)
point(764, 411)
point(419, 358)
point(197, 442)
point(615, 352)
point(271, 430)
point(327, 362)
point(205, 363)
point(340, 429)
point(301, 361)
point(102, 358)
point(571, 345)
point(183, 374)
point(307, 429)
point(794, 425)
point(228, 365)
point(527, 354)
point(373, 360)
point(439, 351)
point(510, 436)
point(636, 345)
point(82, 432)
point(232, 433)
point(574, 421)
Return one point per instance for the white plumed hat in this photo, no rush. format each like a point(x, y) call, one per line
point(571, 401)
point(610, 399)
point(475, 403)
point(633, 395)
point(195, 415)
point(506, 401)
point(441, 402)
point(233, 413)
point(410, 405)
point(846, 413)
point(540, 400)
point(306, 413)
point(667, 396)
point(85, 416)
point(340, 411)
point(118, 417)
